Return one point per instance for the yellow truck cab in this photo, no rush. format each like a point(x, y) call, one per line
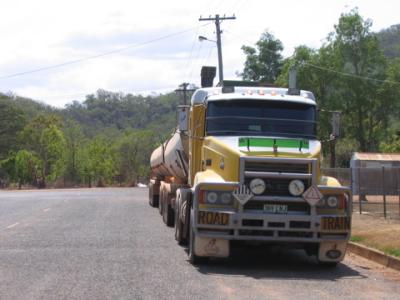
point(249, 170)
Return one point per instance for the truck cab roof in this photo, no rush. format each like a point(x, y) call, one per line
point(203, 95)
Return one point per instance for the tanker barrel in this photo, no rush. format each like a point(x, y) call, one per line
point(171, 159)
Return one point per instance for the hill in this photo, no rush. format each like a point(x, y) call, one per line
point(389, 40)
point(105, 139)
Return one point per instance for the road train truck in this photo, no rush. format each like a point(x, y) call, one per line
point(244, 165)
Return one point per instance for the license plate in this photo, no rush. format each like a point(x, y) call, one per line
point(275, 208)
point(213, 218)
point(335, 223)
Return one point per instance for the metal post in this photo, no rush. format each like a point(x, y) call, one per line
point(359, 190)
point(398, 186)
point(218, 20)
point(384, 191)
point(220, 63)
point(351, 188)
point(184, 90)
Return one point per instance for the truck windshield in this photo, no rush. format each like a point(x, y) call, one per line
point(260, 118)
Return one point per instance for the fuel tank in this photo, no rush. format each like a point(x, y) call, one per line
point(171, 158)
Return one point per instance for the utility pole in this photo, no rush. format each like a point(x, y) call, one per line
point(218, 20)
point(184, 90)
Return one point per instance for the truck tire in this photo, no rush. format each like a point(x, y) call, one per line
point(161, 198)
point(178, 220)
point(153, 199)
point(193, 258)
point(178, 229)
point(168, 215)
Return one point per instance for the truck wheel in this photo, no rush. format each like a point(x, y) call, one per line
point(178, 223)
point(153, 199)
point(178, 230)
point(168, 215)
point(193, 258)
point(161, 201)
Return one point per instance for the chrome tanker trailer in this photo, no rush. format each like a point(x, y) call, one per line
point(169, 171)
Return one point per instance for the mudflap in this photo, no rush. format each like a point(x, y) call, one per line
point(211, 247)
point(332, 251)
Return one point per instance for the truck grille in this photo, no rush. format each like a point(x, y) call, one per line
point(260, 166)
point(277, 173)
point(277, 187)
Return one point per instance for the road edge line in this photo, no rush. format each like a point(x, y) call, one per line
point(374, 255)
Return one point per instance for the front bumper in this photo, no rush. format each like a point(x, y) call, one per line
point(280, 228)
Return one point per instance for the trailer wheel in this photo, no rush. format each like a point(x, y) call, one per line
point(168, 215)
point(153, 199)
point(178, 222)
point(161, 199)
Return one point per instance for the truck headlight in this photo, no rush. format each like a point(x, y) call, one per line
point(296, 187)
point(216, 198)
point(226, 198)
point(211, 197)
point(257, 186)
point(332, 201)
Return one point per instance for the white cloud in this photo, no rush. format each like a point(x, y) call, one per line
point(42, 33)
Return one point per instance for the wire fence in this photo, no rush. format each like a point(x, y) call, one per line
point(376, 191)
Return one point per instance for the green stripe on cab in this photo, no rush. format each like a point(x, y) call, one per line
point(268, 142)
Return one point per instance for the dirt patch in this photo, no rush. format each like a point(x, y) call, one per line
point(379, 233)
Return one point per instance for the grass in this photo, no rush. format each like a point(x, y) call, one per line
point(378, 233)
point(357, 239)
point(392, 251)
point(388, 250)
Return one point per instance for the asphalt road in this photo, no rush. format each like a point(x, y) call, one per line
point(110, 244)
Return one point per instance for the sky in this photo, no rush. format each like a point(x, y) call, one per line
point(59, 51)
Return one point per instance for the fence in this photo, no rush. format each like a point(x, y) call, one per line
point(376, 191)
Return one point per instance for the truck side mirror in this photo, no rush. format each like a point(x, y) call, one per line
point(335, 122)
point(183, 117)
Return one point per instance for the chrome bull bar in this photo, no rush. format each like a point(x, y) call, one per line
point(261, 226)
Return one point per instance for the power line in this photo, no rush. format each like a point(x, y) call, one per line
point(195, 59)
point(209, 55)
point(350, 74)
point(190, 60)
point(331, 70)
point(101, 54)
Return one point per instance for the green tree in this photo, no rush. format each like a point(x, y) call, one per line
point(12, 120)
point(27, 167)
point(43, 137)
point(362, 57)
point(74, 139)
point(133, 150)
point(97, 161)
point(264, 62)
point(392, 146)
